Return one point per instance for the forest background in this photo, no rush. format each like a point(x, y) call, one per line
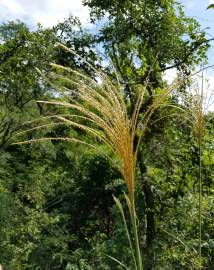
point(56, 205)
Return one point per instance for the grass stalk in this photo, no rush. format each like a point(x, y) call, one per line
point(136, 237)
point(200, 203)
point(120, 207)
point(200, 138)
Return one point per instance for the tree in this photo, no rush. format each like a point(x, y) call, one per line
point(21, 51)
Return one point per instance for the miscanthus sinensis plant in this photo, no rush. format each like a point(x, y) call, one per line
point(98, 107)
point(200, 100)
point(197, 106)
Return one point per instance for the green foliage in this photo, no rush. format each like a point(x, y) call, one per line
point(56, 205)
point(21, 51)
point(211, 6)
point(138, 34)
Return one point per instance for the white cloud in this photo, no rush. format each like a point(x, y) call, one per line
point(47, 12)
point(211, 1)
point(10, 10)
point(170, 75)
point(12, 6)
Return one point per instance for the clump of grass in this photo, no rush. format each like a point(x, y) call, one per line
point(99, 109)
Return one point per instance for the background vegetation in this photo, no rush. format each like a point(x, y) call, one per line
point(56, 204)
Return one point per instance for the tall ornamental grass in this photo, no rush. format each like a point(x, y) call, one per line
point(198, 104)
point(98, 107)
